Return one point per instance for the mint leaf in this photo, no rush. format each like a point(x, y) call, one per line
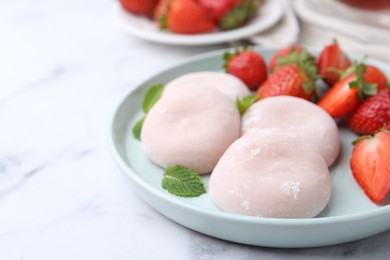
point(137, 129)
point(182, 181)
point(244, 103)
point(151, 97)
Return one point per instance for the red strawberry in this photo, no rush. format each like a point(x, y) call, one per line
point(344, 97)
point(332, 57)
point(283, 53)
point(230, 14)
point(288, 80)
point(216, 9)
point(141, 7)
point(370, 165)
point(183, 16)
point(372, 114)
point(247, 65)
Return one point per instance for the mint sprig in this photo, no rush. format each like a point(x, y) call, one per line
point(151, 96)
point(182, 181)
point(244, 103)
point(137, 129)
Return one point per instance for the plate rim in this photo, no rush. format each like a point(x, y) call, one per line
point(198, 39)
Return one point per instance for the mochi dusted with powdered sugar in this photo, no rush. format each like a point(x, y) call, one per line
point(271, 173)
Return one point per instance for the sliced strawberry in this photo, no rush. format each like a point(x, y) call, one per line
point(344, 97)
point(140, 7)
point(183, 16)
point(247, 65)
point(341, 99)
point(372, 114)
point(288, 80)
point(332, 62)
point(370, 165)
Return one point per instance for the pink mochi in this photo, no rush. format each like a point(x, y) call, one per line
point(227, 84)
point(298, 115)
point(191, 126)
point(271, 173)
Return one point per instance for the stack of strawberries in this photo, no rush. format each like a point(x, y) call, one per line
point(195, 16)
point(357, 94)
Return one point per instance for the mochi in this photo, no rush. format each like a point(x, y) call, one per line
point(191, 126)
point(227, 84)
point(298, 115)
point(271, 173)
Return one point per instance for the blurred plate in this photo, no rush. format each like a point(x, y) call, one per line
point(269, 13)
point(349, 216)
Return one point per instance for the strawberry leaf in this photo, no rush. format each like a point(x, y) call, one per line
point(240, 14)
point(361, 138)
point(182, 181)
point(364, 88)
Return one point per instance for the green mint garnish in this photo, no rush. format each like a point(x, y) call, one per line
point(244, 103)
point(137, 129)
point(182, 181)
point(151, 97)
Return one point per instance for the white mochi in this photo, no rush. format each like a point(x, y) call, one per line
point(271, 173)
point(192, 127)
point(298, 115)
point(227, 84)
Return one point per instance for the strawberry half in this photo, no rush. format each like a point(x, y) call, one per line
point(344, 97)
point(289, 80)
point(370, 165)
point(183, 16)
point(372, 114)
point(140, 7)
point(332, 62)
point(247, 65)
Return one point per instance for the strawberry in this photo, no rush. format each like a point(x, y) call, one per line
point(247, 65)
point(283, 53)
point(288, 80)
point(183, 16)
point(139, 7)
point(230, 14)
point(372, 114)
point(332, 58)
point(216, 9)
point(370, 164)
point(344, 97)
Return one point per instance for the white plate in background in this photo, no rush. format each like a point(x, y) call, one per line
point(269, 13)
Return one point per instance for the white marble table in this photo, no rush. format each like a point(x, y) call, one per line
point(64, 65)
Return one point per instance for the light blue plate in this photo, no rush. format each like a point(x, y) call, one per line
point(349, 216)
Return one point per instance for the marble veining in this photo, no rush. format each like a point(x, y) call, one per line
point(64, 66)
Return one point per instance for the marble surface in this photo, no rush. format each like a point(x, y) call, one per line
point(64, 66)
